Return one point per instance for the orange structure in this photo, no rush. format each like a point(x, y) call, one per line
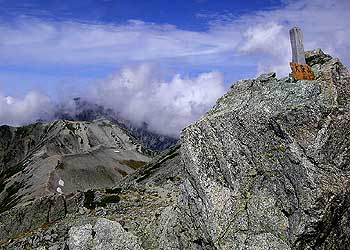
point(302, 71)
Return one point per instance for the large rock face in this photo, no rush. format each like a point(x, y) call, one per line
point(266, 168)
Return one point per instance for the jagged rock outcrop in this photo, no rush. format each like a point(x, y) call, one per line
point(266, 168)
point(41, 212)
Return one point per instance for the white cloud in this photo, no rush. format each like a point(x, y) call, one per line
point(259, 39)
point(77, 43)
point(19, 111)
point(262, 33)
point(324, 24)
point(269, 40)
point(139, 95)
point(136, 93)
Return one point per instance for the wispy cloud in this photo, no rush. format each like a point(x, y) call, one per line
point(263, 33)
point(35, 41)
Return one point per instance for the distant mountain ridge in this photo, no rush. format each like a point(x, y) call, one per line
point(62, 156)
point(86, 111)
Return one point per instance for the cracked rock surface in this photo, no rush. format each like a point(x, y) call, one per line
point(268, 165)
point(104, 235)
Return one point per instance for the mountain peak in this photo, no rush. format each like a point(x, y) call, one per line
point(83, 110)
point(266, 168)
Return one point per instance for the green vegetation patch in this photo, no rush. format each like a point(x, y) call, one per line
point(133, 164)
point(71, 127)
point(108, 199)
point(13, 170)
point(25, 131)
point(11, 197)
point(60, 165)
point(151, 168)
point(116, 190)
point(123, 173)
point(89, 199)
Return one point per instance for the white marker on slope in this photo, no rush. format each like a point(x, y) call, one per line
point(61, 182)
point(59, 190)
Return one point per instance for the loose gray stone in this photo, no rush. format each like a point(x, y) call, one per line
point(111, 235)
point(80, 238)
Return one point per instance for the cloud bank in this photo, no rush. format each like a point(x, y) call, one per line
point(136, 93)
point(19, 111)
point(139, 95)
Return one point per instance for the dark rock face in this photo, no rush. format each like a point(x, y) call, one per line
point(266, 168)
point(148, 138)
point(42, 211)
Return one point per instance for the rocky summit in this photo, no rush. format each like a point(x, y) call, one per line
point(266, 168)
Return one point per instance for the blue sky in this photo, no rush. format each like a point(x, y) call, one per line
point(182, 13)
point(128, 55)
point(195, 15)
